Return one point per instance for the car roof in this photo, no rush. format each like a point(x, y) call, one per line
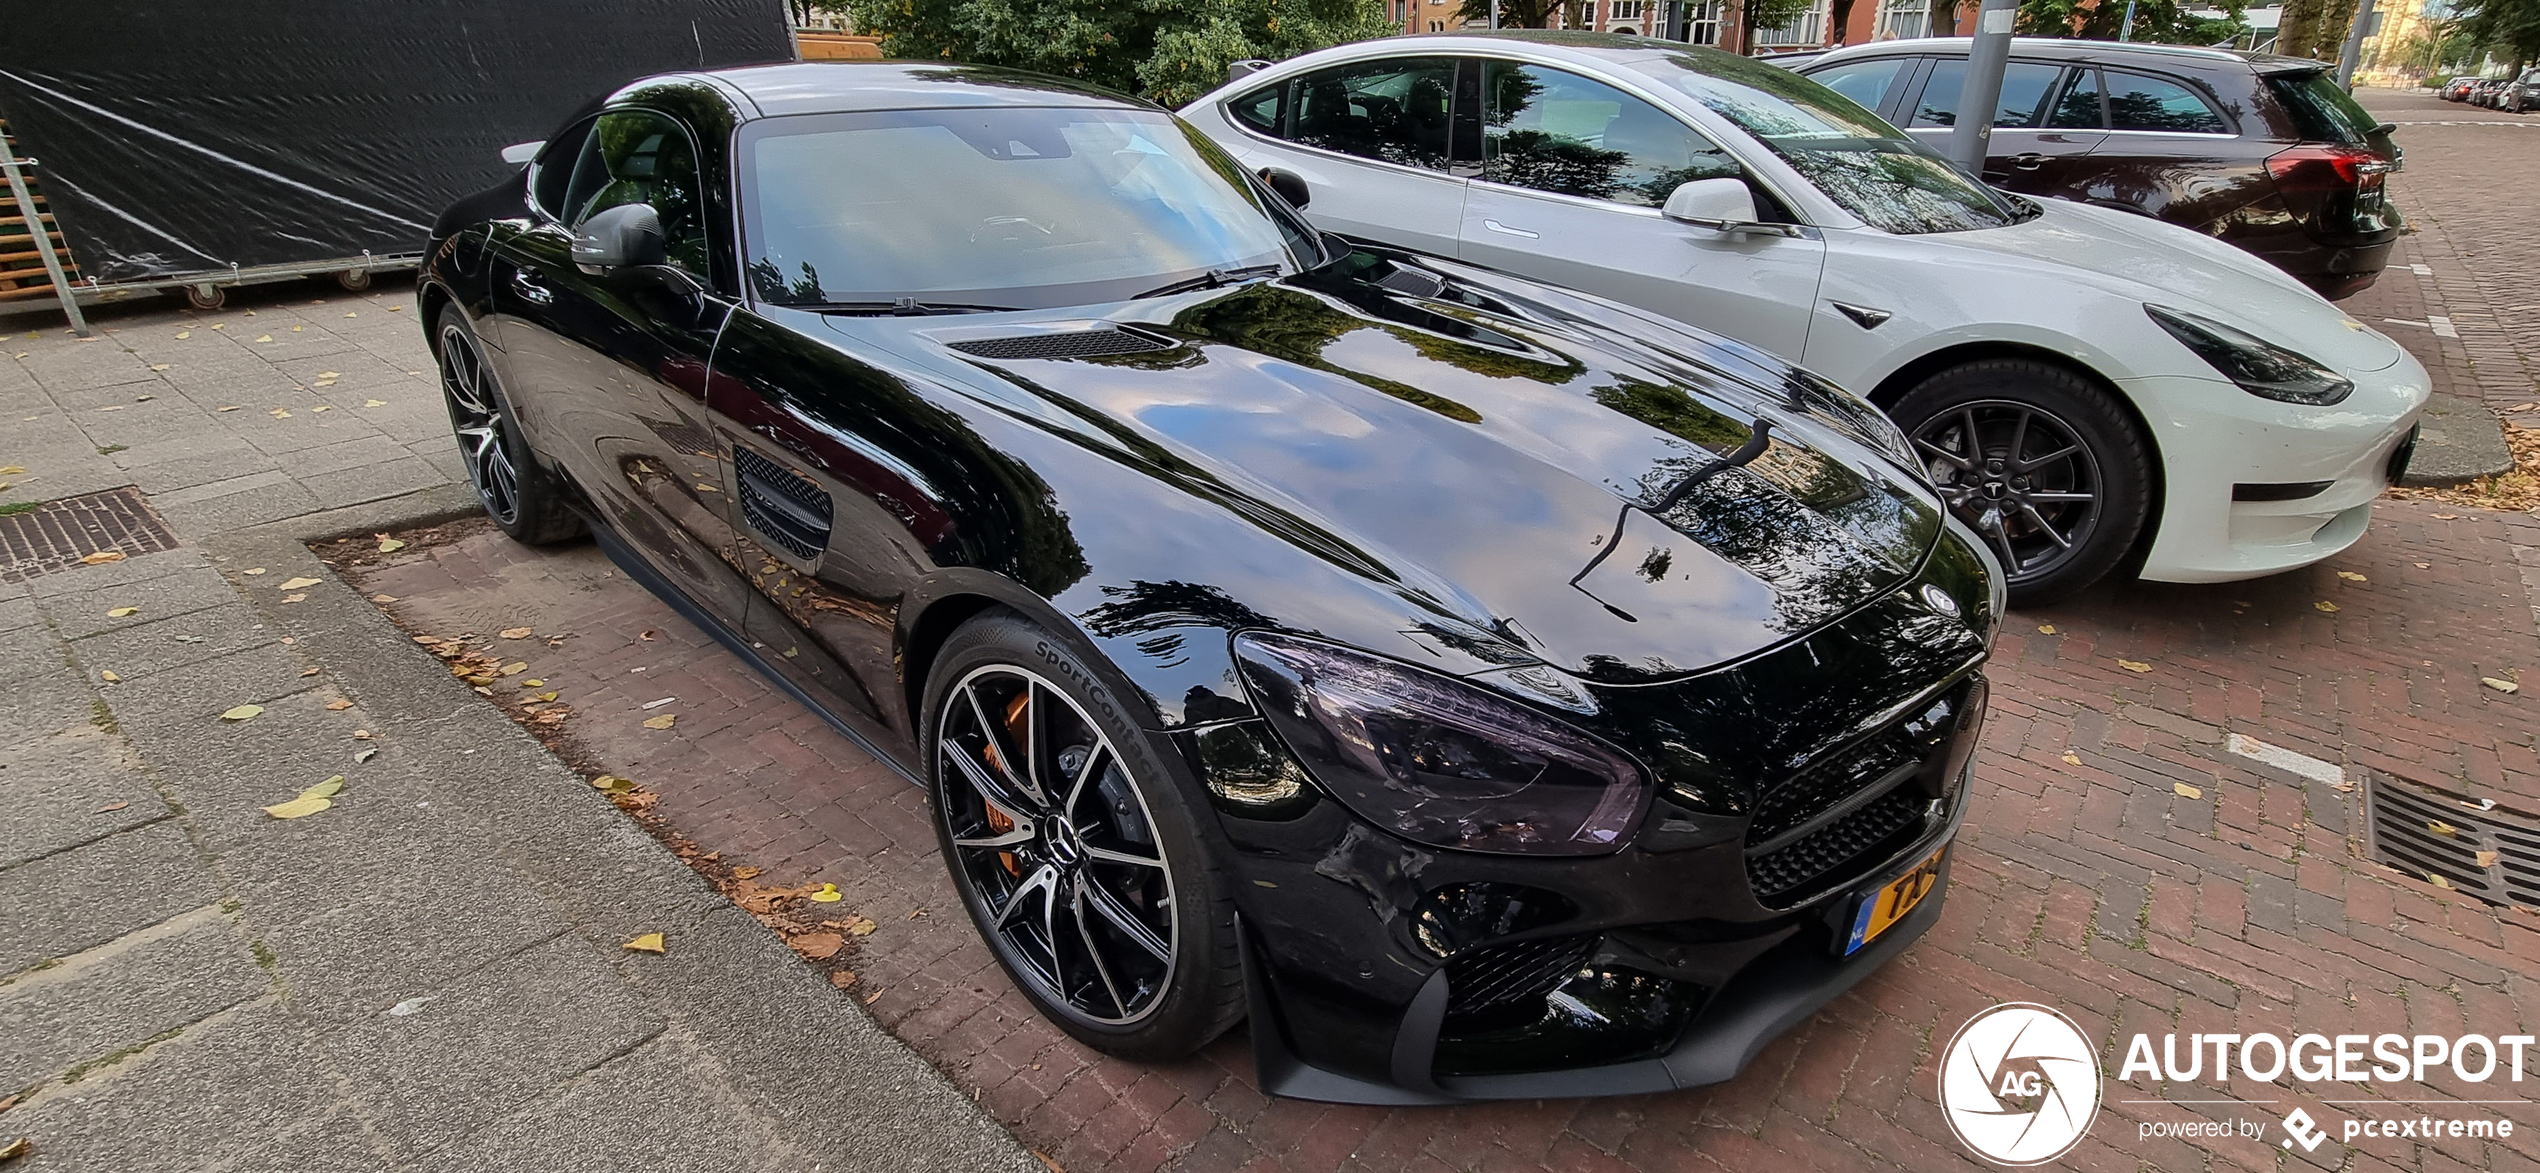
point(2067, 49)
point(837, 87)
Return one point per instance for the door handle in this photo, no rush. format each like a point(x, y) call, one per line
point(1496, 226)
point(529, 289)
point(2028, 160)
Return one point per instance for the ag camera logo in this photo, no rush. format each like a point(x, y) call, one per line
point(2019, 1084)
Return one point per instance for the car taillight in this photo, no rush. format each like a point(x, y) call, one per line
point(2301, 170)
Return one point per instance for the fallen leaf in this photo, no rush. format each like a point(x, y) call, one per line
point(2134, 665)
point(861, 926)
point(648, 943)
point(298, 808)
point(533, 682)
point(2351, 576)
point(23, 1146)
point(2437, 881)
point(108, 676)
point(747, 873)
point(843, 978)
point(2447, 517)
point(2327, 606)
point(327, 789)
point(158, 366)
point(330, 374)
point(297, 584)
point(2186, 791)
point(374, 403)
point(361, 735)
point(870, 998)
point(185, 333)
point(827, 894)
point(2425, 566)
point(2487, 859)
point(383, 598)
point(112, 806)
point(12, 470)
point(365, 754)
point(2071, 758)
point(102, 557)
point(515, 668)
point(391, 545)
point(649, 633)
point(253, 570)
point(264, 337)
point(613, 783)
point(546, 697)
point(311, 670)
point(2045, 629)
point(518, 632)
point(338, 705)
point(280, 413)
point(2523, 407)
point(242, 713)
point(295, 598)
point(120, 612)
point(661, 722)
point(2442, 828)
point(818, 946)
point(2503, 686)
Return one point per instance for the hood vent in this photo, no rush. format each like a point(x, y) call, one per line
point(1066, 344)
point(1413, 282)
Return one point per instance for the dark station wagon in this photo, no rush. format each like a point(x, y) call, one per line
point(2265, 152)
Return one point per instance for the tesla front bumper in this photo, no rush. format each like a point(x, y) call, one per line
point(2252, 486)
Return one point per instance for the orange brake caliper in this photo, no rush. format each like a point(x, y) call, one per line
point(998, 821)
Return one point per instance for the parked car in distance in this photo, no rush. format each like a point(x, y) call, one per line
point(1466, 680)
point(2457, 89)
point(2520, 94)
point(2264, 152)
point(2086, 385)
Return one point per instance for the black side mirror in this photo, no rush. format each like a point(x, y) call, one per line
point(620, 237)
point(1290, 186)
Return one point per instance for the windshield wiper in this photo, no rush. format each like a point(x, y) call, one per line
point(906, 307)
point(1214, 278)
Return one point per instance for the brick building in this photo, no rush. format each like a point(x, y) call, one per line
point(1710, 22)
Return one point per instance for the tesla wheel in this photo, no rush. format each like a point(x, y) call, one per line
point(516, 489)
point(2044, 466)
point(1076, 853)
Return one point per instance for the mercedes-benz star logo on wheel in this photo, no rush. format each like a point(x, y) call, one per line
point(2019, 1084)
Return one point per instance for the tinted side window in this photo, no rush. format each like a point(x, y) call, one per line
point(553, 169)
point(2137, 102)
point(2078, 108)
point(2024, 87)
point(637, 157)
point(1258, 109)
point(1394, 110)
point(1864, 82)
point(1559, 132)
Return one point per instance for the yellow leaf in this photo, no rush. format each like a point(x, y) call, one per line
point(2351, 576)
point(102, 557)
point(828, 894)
point(327, 789)
point(264, 337)
point(297, 329)
point(2437, 880)
point(746, 873)
point(2045, 629)
point(2503, 686)
point(220, 325)
point(2487, 859)
point(515, 668)
point(338, 705)
point(242, 713)
point(861, 926)
point(648, 943)
point(295, 598)
point(330, 374)
point(12, 470)
point(383, 598)
point(120, 612)
point(661, 722)
point(280, 413)
point(2134, 665)
point(2186, 791)
point(253, 570)
point(108, 676)
point(2071, 758)
point(518, 632)
point(612, 782)
point(298, 808)
point(2442, 828)
point(297, 584)
point(2327, 606)
point(391, 545)
point(545, 697)
point(533, 682)
point(185, 333)
point(374, 403)
point(158, 366)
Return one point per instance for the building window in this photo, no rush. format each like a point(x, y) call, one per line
point(1398, 6)
point(1903, 19)
point(1805, 30)
point(1702, 26)
point(1627, 9)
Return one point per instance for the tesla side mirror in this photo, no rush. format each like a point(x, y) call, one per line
point(1290, 186)
point(1722, 205)
point(519, 154)
point(626, 235)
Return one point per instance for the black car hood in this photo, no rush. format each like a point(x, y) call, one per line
point(1623, 510)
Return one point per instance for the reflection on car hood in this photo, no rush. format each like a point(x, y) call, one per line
point(2153, 261)
point(1496, 468)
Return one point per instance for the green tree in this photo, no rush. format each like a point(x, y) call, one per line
point(1169, 50)
point(2158, 21)
point(2506, 28)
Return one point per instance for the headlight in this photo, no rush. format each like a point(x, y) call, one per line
point(2260, 368)
point(1438, 761)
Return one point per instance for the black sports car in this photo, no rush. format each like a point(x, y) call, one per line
point(1490, 690)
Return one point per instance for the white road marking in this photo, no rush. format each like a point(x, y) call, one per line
point(2302, 765)
point(2442, 326)
point(2421, 270)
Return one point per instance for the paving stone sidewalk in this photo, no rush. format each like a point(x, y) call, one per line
point(429, 974)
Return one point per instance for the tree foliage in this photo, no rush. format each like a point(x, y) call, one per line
point(2509, 29)
point(2157, 21)
point(1169, 50)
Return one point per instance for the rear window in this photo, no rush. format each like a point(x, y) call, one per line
point(2140, 102)
point(2323, 112)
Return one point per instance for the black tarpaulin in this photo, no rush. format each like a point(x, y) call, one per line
point(189, 138)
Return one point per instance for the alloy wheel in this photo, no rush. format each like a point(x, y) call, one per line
point(476, 416)
point(1056, 844)
point(2020, 475)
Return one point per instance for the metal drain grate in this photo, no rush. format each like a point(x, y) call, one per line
point(57, 534)
point(2488, 852)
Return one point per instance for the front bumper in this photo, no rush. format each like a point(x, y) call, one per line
point(2255, 487)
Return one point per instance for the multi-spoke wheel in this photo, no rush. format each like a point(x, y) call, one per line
point(1073, 849)
point(2039, 462)
point(516, 491)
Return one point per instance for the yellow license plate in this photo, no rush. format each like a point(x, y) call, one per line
point(1880, 910)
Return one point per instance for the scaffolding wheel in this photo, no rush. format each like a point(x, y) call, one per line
point(206, 297)
point(355, 280)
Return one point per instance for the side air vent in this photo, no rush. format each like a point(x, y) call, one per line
point(1066, 344)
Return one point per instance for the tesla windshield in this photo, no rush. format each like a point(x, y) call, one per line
point(997, 208)
point(1869, 167)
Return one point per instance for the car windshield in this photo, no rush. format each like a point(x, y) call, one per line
point(1020, 208)
point(1871, 169)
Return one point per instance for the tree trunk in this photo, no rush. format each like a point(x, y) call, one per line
point(1838, 16)
point(1944, 18)
point(2298, 27)
point(2330, 40)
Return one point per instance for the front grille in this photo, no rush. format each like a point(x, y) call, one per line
point(1827, 785)
point(1496, 975)
point(1838, 852)
point(2472, 847)
point(1067, 344)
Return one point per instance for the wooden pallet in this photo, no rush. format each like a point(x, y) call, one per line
point(21, 267)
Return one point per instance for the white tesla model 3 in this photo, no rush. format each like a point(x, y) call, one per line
point(2087, 386)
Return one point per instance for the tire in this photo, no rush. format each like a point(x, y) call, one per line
point(1010, 852)
point(513, 484)
point(206, 297)
point(2074, 512)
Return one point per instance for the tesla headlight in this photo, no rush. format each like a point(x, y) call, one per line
point(2261, 368)
point(1438, 761)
